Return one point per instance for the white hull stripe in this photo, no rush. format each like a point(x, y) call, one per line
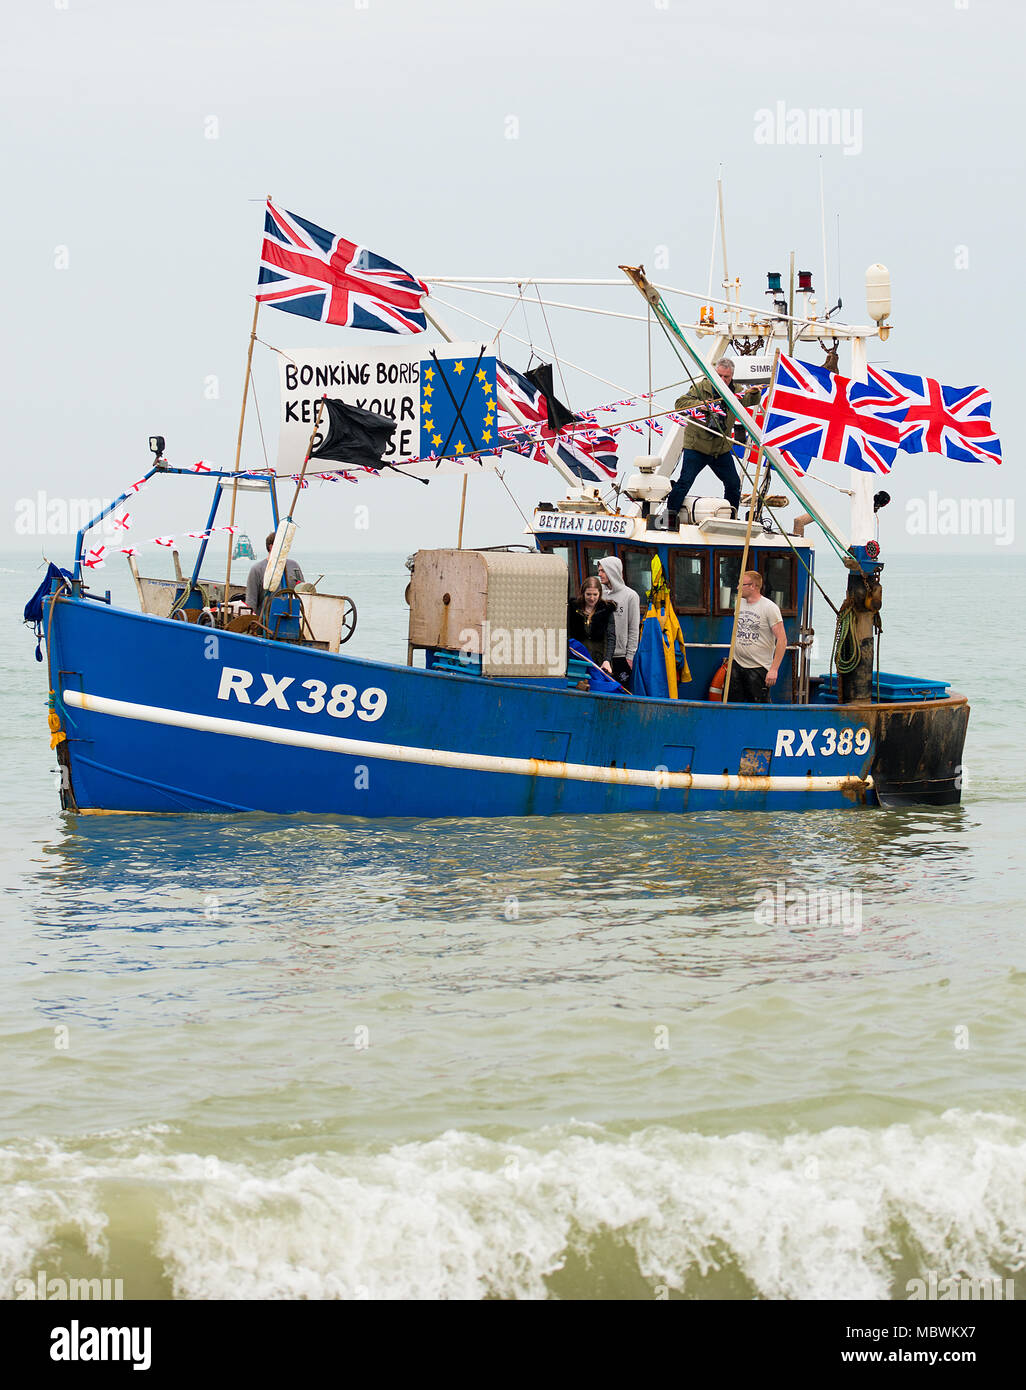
point(466, 762)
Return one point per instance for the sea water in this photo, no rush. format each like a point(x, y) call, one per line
point(724, 1055)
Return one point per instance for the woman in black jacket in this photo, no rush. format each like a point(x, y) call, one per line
point(589, 619)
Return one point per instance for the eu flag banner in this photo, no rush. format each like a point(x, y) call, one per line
point(458, 406)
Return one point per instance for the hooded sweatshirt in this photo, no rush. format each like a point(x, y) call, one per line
point(627, 619)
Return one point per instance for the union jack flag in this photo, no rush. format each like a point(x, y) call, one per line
point(813, 413)
point(953, 421)
point(309, 271)
point(592, 457)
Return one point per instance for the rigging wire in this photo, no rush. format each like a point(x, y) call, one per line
point(502, 479)
point(260, 423)
point(845, 491)
point(649, 440)
point(527, 323)
point(270, 346)
point(552, 303)
point(469, 285)
point(525, 343)
point(498, 332)
point(552, 344)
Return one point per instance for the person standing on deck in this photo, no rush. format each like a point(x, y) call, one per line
point(255, 591)
point(589, 618)
point(760, 645)
point(626, 620)
point(708, 442)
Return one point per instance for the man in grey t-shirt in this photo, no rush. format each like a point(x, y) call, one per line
point(255, 591)
point(760, 645)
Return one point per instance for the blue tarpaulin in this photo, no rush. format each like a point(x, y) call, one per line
point(597, 678)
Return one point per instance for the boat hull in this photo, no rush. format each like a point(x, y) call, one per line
point(170, 717)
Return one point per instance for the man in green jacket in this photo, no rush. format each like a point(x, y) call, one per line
point(708, 439)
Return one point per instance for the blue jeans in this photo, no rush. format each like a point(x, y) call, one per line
point(691, 464)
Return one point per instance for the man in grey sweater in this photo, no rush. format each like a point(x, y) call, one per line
point(255, 591)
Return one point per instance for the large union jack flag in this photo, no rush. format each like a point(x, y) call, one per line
point(308, 271)
point(589, 453)
point(813, 413)
point(933, 419)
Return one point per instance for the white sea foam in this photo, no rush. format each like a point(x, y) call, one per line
point(844, 1213)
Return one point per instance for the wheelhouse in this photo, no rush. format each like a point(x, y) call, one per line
point(703, 570)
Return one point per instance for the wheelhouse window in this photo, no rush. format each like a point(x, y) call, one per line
point(637, 567)
point(690, 584)
point(637, 572)
point(726, 573)
point(591, 556)
point(567, 554)
point(778, 582)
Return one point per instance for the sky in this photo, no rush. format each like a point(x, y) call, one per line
point(541, 139)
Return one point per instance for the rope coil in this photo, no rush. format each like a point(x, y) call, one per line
point(847, 652)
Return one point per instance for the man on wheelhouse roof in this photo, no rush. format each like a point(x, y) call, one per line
point(708, 439)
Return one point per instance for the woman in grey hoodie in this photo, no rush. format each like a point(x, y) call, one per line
point(626, 622)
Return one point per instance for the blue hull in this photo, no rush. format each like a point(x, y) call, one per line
point(167, 716)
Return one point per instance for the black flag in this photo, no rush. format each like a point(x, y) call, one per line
point(354, 435)
point(559, 415)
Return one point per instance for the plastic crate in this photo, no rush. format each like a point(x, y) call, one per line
point(892, 688)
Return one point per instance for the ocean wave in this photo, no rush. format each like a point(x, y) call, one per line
point(571, 1212)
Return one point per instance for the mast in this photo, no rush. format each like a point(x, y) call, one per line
point(238, 454)
point(863, 523)
point(864, 597)
point(748, 540)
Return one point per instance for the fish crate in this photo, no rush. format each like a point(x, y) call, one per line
point(893, 689)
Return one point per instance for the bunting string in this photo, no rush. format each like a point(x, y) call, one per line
point(524, 440)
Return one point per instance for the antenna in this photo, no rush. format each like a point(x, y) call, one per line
point(716, 223)
point(822, 222)
point(723, 240)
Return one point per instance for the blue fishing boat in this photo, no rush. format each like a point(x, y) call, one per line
point(200, 702)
